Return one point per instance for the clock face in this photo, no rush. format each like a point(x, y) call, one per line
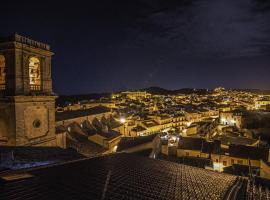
point(36, 121)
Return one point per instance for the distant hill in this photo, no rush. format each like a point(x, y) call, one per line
point(255, 91)
point(157, 90)
point(192, 91)
point(63, 99)
point(162, 91)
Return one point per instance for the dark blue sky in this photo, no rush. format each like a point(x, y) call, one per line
point(109, 45)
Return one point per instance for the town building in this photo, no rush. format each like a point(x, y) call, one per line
point(262, 104)
point(136, 95)
point(219, 156)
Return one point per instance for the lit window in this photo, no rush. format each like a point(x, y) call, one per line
point(34, 73)
point(2, 73)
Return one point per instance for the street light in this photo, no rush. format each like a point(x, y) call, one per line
point(122, 120)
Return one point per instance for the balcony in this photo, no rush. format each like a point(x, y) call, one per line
point(2, 87)
point(35, 87)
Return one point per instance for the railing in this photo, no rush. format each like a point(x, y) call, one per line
point(255, 192)
point(35, 87)
point(232, 194)
point(31, 42)
point(2, 87)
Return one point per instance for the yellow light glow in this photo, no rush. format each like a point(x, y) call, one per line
point(34, 73)
point(122, 120)
point(115, 148)
point(218, 166)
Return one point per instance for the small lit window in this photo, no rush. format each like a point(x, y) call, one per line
point(34, 73)
point(2, 73)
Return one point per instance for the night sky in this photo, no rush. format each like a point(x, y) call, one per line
point(111, 45)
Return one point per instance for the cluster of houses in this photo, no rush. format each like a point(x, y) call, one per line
point(211, 126)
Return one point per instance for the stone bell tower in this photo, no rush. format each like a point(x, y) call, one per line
point(27, 103)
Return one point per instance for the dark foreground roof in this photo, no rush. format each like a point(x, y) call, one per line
point(129, 142)
point(12, 158)
point(37, 154)
point(83, 145)
point(249, 152)
point(198, 144)
point(227, 140)
point(121, 176)
point(110, 135)
point(189, 143)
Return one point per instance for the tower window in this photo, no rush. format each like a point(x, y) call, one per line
point(34, 73)
point(2, 73)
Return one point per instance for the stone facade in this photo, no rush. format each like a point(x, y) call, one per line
point(27, 111)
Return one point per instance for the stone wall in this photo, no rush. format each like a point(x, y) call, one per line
point(28, 120)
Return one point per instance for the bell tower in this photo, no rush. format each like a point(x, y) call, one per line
point(27, 103)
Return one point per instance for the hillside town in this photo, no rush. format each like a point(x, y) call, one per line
point(222, 129)
point(145, 144)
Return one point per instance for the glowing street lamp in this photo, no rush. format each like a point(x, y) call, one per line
point(218, 166)
point(122, 120)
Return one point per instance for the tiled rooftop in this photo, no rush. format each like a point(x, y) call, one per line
point(25, 157)
point(83, 145)
point(249, 152)
point(121, 176)
point(80, 113)
point(129, 142)
point(40, 153)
